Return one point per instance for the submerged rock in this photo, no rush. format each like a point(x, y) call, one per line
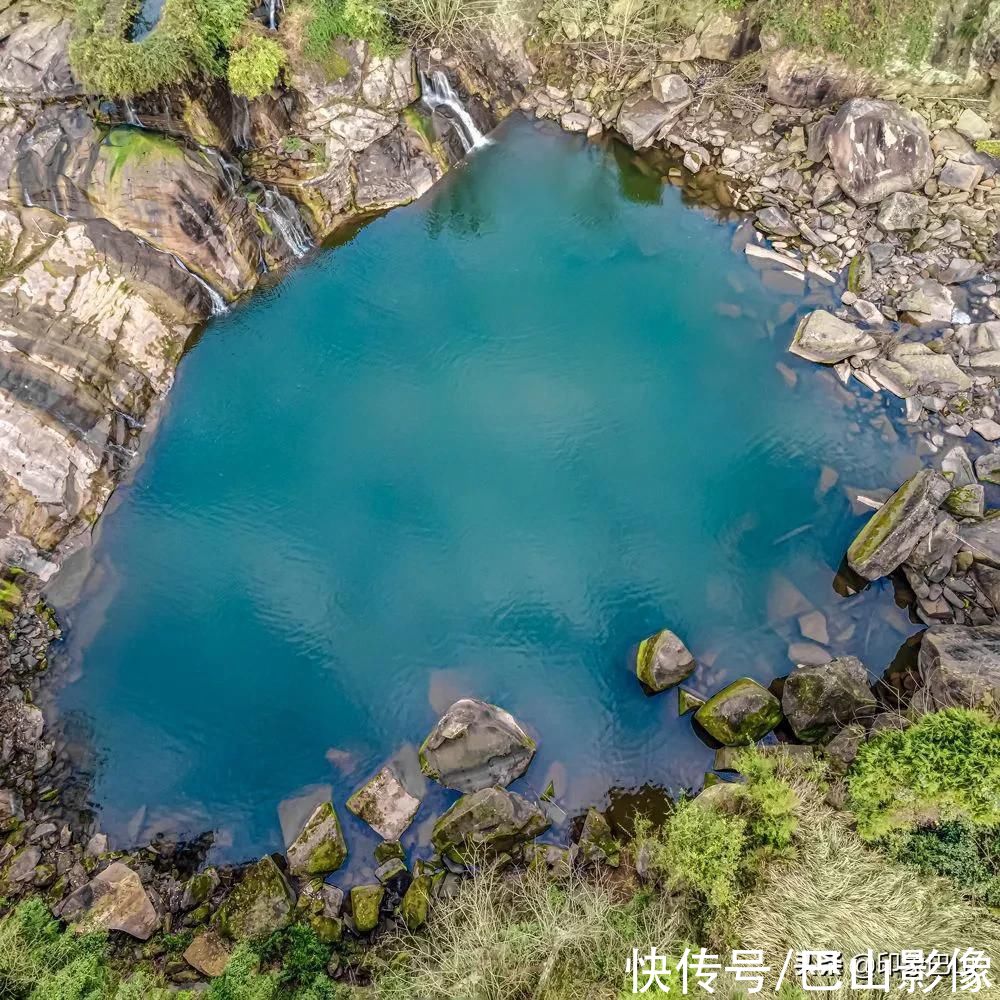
point(114, 900)
point(824, 338)
point(320, 848)
point(260, 903)
point(820, 701)
point(491, 821)
point(876, 148)
point(475, 745)
point(740, 713)
point(385, 805)
point(662, 661)
point(893, 531)
point(960, 665)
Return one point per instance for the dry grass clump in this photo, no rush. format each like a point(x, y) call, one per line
point(504, 937)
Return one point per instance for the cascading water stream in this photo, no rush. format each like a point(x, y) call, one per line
point(285, 220)
point(437, 92)
point(218, 302)
point(272, 14)
point(241, 122)
point(130, 116)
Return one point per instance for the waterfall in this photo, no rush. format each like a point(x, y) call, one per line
point(438, 92)
point(232, 175)
point(285, 220)
point(218, 302)
point(130, 116)
point(241, 122)
point(272, 14)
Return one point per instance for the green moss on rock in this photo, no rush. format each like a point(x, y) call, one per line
point(416, 902)
point(740, 713)
point(365, 903)
point(260, 903)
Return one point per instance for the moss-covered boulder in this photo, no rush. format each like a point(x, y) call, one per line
point(818, 701)
point(366, 900)
point(475, 745)
point(894, 530)
point(662, 661)
point(260, 903)
point(741, 713)
point(491, 821)
point(597, 845)
point(688, 701)
point(416, 902)
point(320, 848)
point(966, 501)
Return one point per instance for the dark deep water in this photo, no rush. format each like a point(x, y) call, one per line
point(482, 449)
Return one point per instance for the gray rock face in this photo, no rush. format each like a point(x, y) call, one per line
point(806, 80)
point(114, 900)
point(824, 338)
point(988, 467)
point(878, 147)
point(672, 90)
point(960, 665)
point(662, 661)
point(385, 805)
point(903, 210)
point(394, 170)
point(640, 121)
point(983, 539)
point(819, 701)
point(491, 821)
point(894, 530)
point(776, 221)
point(34, 62)
point(475, 745)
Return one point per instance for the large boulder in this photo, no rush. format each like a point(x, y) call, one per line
point(824, 338)
point(893, 531)
point(261, 902)
point(113, 900)
point(34, 52)
point(208, 953)
point(394, 170)
point(639, 121)
point(385, 805)
point(983, 539)
point(489, 822)
point(475, 745)
point(820, 701)
point(320, 848)
point(811, 80)
point(740, 713)
point(366, 904)
point(876, 148)
point(662, 661)
point(960, 665)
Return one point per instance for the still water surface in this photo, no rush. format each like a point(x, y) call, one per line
point(481, 449)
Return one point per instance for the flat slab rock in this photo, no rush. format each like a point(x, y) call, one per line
point(113, 900)
point(824, 338)
point(385, 805)
point(893, 531)
point(960, 666)
point(208, 953)
point(740, 713)
point(475, 745)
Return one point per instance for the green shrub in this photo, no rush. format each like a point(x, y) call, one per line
point(299, 951)
point(243, 979)
point(969, 857)
point(944, 767)
point(327, 20)
point(989, 146)
point(254, 67)
point(191, 39)
point(766, 801)
point(699, 850)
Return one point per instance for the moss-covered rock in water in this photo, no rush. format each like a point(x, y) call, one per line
point(818, 701)
point(663, 661)
point(741, 713)
point(261, 902)
point(894, 529)
point(320, 848)
point(490, 821)
point(416, 902)
point(365, 903)
point(596, 844)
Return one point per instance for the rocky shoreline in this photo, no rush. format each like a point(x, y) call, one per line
point(123, 228)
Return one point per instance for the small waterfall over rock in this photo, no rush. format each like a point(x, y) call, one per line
point(283, 217)
point(272, 14)
point(241, 122)
point(129, 112)
point(218, 302)
point(437, 92)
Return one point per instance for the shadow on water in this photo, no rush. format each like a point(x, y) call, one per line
point(481, 449)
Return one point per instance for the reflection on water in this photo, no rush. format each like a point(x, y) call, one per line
point(481, 449)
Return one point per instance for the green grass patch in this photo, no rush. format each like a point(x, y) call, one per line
point(944, 767)
point(255, 66)
point(134, 145)
point(991, 147)
point(320, 23)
